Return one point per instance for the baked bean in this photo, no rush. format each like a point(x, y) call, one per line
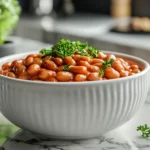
point(124, 73)
point(45, 74)
point(80, 77)
point(134, 67)
point(37, 61)
point(52, 79)
point(34, 69)
point(24, 76)
point(35, 78)
point(83, 63)
point(131, 73)
point(5, 72)
point(85, 58)
point(58, 61)
point(19, 61)
point(100, 65)
point(35, 55)
point(76, 57)
point(6, 66)
point(111, 73)
point(104, 79)
point(14, 63)
point(29, 61)
point(93, 76)
point(11, 74)
point(117, 66)
point(120, 60)
point(96, 60)
point(126, 67)
point(110, 56)
point(135, 70)
point(69, 61)
point(64, 76)
point(48, 64)
point(93, 68)
point(39, 55)
point(78, 69)
point(48, 58)
point(19, 68)
point(101, 55)
point(61, 68)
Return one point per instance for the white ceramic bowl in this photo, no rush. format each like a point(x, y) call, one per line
point(73, 110)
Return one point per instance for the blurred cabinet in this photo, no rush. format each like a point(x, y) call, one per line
point(141, 8)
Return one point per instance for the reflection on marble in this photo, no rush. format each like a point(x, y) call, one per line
point(24, 140)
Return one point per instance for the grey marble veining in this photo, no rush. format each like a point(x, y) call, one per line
point(25, 140)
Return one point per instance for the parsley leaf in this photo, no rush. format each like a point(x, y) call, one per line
point(101, 72)
point(93, 51)
point(106, 64)
point(145, 130)
point(46, 52)
point(66, 67)
point(65, 48)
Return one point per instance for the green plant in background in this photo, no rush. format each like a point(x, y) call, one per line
point(9, 17)
point(7, 130)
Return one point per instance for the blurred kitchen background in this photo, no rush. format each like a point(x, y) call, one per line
point(103, 23)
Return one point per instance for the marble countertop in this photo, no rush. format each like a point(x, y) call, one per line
point(123, 138)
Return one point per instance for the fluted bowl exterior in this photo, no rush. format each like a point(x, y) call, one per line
point(72, 110)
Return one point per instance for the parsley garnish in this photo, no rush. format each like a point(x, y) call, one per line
point(46, 52)
point(93, 51)
point(66, 67)
point(65, 48)
point(145, 130)
point(101, 72)
point(106, 64)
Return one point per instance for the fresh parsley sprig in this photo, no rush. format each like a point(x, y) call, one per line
point(46, 52)
point(145, 130)
point(101, 72)
point(65, 48)
point(106, 64)
point(66, 68)
point(93, 51)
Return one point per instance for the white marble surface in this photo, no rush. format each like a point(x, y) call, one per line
point(124, 138)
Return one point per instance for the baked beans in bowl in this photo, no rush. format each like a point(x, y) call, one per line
point(72, 94)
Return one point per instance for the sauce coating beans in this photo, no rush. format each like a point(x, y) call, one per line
point(33, 69)
point(64, 76)
point(75, 68)
point(80, 78)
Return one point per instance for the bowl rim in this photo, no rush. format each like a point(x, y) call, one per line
point(145, 64)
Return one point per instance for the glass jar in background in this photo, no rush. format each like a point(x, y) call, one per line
point(120, 8)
